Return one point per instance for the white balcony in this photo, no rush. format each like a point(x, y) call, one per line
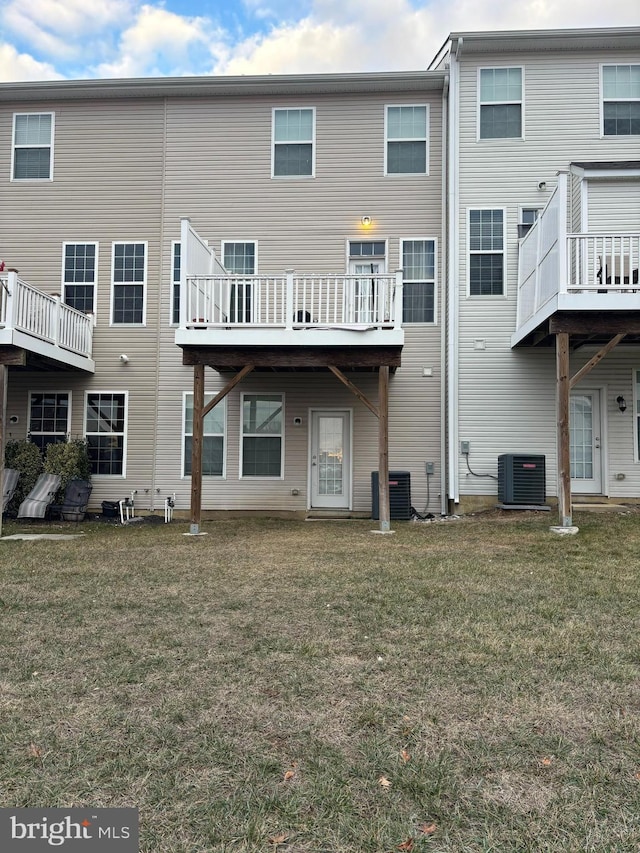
point(286, 310)
point(560, 271)
point(43, 326)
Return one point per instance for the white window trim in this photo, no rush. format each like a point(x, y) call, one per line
point(602, 100)
point(242, 476)
point(173, 282)
point(50, 391)
point(63, 283)
point(124, 434)
point(433, 240)
point(51, 147)
point(301, 141)
point(143, 283)
point(412, 139)
point(502, 295)
point(254, 243)
point(480, 103)
point(207, 398)
point(367, 239)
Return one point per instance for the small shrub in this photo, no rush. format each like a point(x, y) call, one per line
point(25, 457)
point(70, 459)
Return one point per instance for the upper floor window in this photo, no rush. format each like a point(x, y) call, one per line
point(32, 147)
point(79, 265)
point(406, 142)
point(418, 292)
point(175, 282)
point(293, 142)
point(486, 252)
point(49, 418)
point(240, 259)
point(527, 219)
point(500, 103)
point(105, 431)
point(621, 100)
point(129, 278)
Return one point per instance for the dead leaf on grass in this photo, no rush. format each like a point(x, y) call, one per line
point(278, 839)
point(288, 776)
point(427, 828)
point(36, 753)
point(547, 761)
point(405, 756)
point(406, 845)
point(384, 782)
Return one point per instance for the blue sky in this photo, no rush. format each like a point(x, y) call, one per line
point(54, 39)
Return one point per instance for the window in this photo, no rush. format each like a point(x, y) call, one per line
point(175, 282)
point(486, 252)
point(418, 292)
point(105, 426)
point(240, 259)
point(32, 147)
point(79, 265)
point(213, 439)
point(262, 440)
point(365, 296)
point(528, 218)
point(406, 148)
point(500, 103)
point(621, 100)
point(49, 418)
point(293, 137)
point(129, 276)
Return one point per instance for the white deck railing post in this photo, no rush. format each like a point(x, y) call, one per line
point(12, 285)
point(185, 225)
point(57, 319)
point(288, 301)
point(398, 299)
point(563, 268)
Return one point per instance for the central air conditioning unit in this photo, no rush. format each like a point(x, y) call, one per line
point(521, 479)
point(399, 495)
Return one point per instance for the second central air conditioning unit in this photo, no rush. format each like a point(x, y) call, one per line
point(399, 495)
point(521, 479)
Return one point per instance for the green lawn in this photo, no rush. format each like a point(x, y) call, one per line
point(467, 685)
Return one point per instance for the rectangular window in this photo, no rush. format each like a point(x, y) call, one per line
point(486, 252)
point(105, 431)
point(293, 142)
point(32, 147)
point(175, 282)
point(418, 292)
point(240, 259)
point(406, 144)
point(262, 435)
point(129, 278)
point(500, 91)
point(79, 266)
point(621, 100)
point(213, 439)
point(528, 218)
point(49, 417)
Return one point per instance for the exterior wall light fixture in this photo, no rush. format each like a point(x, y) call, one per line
point(622, 403)
point(366, 221)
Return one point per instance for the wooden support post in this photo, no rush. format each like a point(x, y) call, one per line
point(196, 448)
point(383, 448)
point(564, 453)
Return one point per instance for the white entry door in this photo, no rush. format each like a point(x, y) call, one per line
point(331, 459)
point(586, 440)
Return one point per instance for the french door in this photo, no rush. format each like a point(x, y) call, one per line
point(585, 430)
point(331, 459)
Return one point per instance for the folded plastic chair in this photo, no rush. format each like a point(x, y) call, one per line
point(41, 495)
point(10, 479)
point(75, 501)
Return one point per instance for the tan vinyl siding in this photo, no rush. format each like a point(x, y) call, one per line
point(506, 397)
point(614, 206)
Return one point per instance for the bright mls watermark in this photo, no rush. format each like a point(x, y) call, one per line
point(70, 830)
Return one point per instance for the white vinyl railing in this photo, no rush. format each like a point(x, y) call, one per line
point(29, 310)
point(292, 301)
point(552, 262)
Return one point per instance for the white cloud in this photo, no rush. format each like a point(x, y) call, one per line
point(161, 42)
point(63, 28)
point(15, 67)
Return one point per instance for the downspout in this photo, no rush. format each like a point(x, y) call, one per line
point(453, 247)
point(443, 302)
